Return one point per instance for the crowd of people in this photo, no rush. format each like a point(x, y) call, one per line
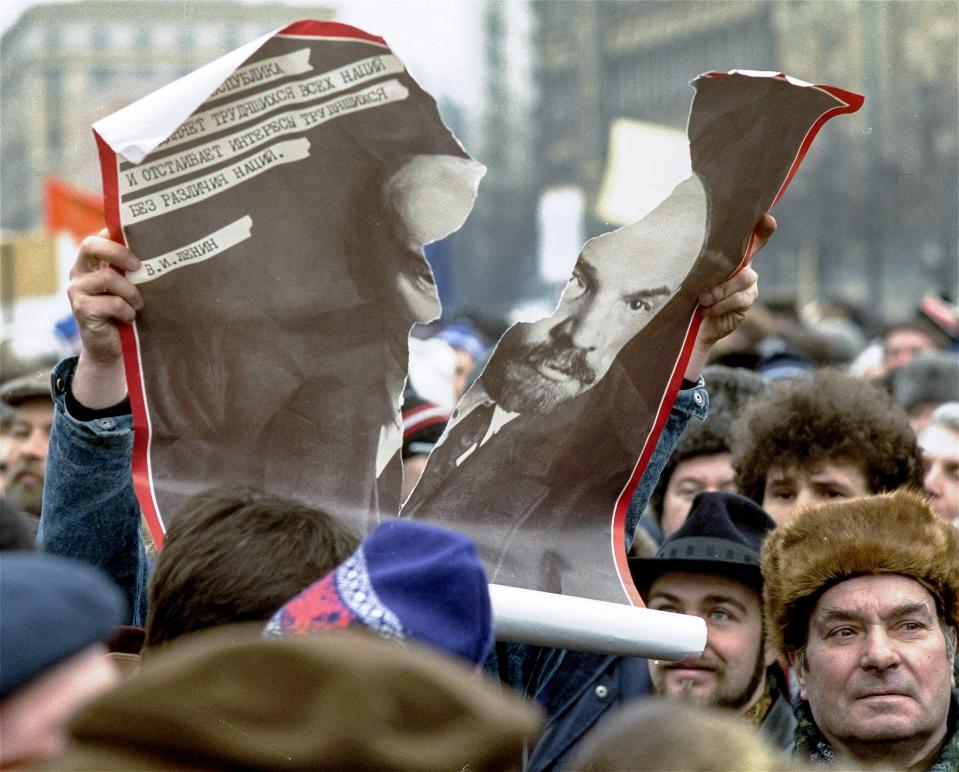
point(803, 500)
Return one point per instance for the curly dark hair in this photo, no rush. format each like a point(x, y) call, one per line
point(831, 417)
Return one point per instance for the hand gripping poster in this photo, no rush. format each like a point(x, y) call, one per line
point(543, 453)
point(279, 199)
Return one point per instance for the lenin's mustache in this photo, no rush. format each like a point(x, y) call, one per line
point(568, 360)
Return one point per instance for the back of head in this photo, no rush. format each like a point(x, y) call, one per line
point(406, 581)
point(235, 555)
point(227, 699)
point(52, 608)
point(831, 417)
point(665, 734)
point(927, 380)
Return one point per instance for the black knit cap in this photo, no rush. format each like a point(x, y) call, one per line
point(723, 534)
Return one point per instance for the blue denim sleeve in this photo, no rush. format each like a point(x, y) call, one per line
point(90, 511)
point(690, 403)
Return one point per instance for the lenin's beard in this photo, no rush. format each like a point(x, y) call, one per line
point(514, 379)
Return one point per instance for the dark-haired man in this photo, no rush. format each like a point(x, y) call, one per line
point(25, 419)
point(830, 437)
point(710, 568)
point(702, 460)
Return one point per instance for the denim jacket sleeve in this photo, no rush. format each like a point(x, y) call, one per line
point(90, 511)
point(690, 403)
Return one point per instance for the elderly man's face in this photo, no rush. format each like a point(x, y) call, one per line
point(430, 197)
point(878, 668)
point(940, 450)
point(25, 442)
point(620, 282)
point(730, 672)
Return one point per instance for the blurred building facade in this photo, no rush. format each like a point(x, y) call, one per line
point(64, 66)
point(495, 265)
point(871, 217)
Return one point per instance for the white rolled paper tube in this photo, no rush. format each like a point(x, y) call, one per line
point(582, 624)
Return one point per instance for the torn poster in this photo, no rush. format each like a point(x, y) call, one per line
point(279, 199)
point(543, 453)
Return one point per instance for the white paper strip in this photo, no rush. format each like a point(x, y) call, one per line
point(202, 188)
point(138, 128)
point(265, 71)
point(565, 622)
point(196, 252)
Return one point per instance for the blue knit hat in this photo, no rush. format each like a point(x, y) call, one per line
point(405, 581)
point(52, 608)
point(463, 336)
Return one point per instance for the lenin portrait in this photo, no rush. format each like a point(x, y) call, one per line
point(540, 449)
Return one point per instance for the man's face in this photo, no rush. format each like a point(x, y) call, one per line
point(730, 673)
point(26, 439)
point(429, 197)
point(620, 282)
point(878, 669)
point(940, 450)
point(901, 346)
point(417, 289)
point(789, 488)
point(713, 472)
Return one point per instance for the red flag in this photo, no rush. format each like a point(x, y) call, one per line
point(71, 209)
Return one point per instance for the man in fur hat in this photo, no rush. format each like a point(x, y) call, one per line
point(862, 600)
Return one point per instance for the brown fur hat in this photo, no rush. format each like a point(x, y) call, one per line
point(226, 699)
point(893, 533)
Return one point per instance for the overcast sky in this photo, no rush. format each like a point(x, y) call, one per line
point(438, 40)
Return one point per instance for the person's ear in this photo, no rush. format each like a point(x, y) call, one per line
point(769, 654)
point(951, 644)
point(797, 665)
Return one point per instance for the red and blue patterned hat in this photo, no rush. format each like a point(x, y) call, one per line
point(406, 581)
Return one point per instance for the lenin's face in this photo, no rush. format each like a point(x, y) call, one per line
point(429, 197)
point(620, 282)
